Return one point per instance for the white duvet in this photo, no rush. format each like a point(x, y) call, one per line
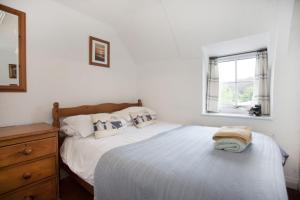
point(82, 154)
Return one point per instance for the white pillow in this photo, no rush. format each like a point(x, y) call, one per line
point(107, 124)
point(125, 113)
point(108, 117)
point(69, 130)
point(82, 124)
point(142, 119)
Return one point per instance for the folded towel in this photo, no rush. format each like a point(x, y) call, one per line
point(232, 145)
point(242, 133)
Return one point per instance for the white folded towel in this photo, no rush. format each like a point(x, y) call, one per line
point(232, 145)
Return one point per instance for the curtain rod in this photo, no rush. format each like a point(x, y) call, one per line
point(259, 50)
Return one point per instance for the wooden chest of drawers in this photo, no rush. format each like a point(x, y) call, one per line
point(29, 162)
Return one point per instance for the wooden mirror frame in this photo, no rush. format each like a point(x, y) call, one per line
point(21, 87)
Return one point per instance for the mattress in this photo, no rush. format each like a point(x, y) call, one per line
point(82, 154)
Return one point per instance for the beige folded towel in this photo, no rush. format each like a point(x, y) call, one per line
point(242, 133)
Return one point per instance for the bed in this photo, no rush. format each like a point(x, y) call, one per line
point(169, 161)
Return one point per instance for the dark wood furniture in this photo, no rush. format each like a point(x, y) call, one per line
point(29, 162)
point(21, 87)
point(58, 113)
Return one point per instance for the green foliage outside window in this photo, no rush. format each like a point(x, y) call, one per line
point(227, 94)
point(246, 94)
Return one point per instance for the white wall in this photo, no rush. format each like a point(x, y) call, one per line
point(291, 77)
point(158, 30)
point(57, 64)
point(173, 87)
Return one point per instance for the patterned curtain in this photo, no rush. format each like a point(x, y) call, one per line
point(212, 94)
point(262, 87)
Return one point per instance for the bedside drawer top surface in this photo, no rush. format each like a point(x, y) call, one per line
point(12, 132)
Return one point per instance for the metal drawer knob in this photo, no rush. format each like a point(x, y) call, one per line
point(27, 151)
point(27, 175)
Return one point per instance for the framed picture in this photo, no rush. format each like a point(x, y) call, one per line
point(99, 51)
point(12, 70)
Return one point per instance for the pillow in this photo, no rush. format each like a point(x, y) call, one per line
point(82, 124)
point(142, 118)
point(69, 130)
point(125, 113)
point(107, 124)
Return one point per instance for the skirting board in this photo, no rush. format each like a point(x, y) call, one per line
point(292, 183)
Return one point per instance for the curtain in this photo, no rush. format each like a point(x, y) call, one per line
point(261, 89)
point(212, 93)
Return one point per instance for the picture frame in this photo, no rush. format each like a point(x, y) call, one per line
point(12, 70)
point(99, 52)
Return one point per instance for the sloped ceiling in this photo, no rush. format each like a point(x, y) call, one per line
point(167, 29)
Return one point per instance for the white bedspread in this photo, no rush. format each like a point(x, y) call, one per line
point(82, 154)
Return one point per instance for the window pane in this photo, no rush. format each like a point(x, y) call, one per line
point(227, 94)
point(245, 93)
point(246, 69)
point(227, 71)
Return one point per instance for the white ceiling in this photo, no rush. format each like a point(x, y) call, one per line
point(167, 29)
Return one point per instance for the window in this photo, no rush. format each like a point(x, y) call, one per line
point(236, 85)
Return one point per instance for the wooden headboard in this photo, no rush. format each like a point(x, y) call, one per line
point(58, 112)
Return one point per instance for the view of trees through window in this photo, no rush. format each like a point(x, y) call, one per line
point(236, 84)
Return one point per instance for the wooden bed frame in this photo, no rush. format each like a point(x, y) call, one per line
point(58, 113)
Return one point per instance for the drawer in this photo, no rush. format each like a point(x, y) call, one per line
point(17, 176)
point(42, 191)
point(26, 151)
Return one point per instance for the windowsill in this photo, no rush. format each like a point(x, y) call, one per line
point(237, 116)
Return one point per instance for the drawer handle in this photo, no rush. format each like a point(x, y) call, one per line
point(27, 175)
point(29, 197)
point(27, 151)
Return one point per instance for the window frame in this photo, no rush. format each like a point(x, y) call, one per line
point(235, 109)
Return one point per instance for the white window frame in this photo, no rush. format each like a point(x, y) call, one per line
point(234, 109)
point(205, 67)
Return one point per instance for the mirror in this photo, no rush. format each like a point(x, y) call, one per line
point(12, 50)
